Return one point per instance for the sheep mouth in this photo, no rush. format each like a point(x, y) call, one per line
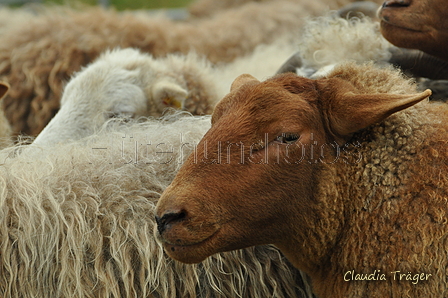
point(190, 253)
point(389, 21)
point(180, 243)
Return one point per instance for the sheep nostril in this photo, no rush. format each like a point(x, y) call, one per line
point(169, 218)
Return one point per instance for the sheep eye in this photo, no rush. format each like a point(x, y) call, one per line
point(287, 138)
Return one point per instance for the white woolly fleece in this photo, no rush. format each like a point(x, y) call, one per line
point(328, 40)
point(76, 220)
point(128, 83)
point(124, 83)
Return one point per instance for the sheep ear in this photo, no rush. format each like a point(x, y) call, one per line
point(349, 112)
point(4, 87)
point(169, 94)
point(241, 80)
point(224, 104)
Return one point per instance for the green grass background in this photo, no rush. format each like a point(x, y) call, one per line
point(130, 4)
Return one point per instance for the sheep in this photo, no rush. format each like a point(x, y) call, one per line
point(39, 55)
point(346, 175)
point(76, 220)
point(416, 25)
point(73, 190)
point(126, 83)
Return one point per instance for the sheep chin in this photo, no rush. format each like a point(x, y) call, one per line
point(191, 253)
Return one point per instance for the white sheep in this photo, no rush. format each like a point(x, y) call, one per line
point(76, 221)
point(128, 83)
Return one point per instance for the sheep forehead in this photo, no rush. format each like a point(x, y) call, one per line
point(276, 90)
point(267, 106)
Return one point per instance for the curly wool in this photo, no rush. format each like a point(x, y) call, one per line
point(398, 207)
point(76, 220)
point(327, 40)
point(38, 55)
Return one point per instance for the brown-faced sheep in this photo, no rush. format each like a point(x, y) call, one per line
point(419, 25)
point(346, 175)
point(414, 24)
point(37, 56)
point(76, 221)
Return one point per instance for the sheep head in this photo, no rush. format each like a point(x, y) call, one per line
point(120, 84)
point(252, 179)
point(416, 24)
